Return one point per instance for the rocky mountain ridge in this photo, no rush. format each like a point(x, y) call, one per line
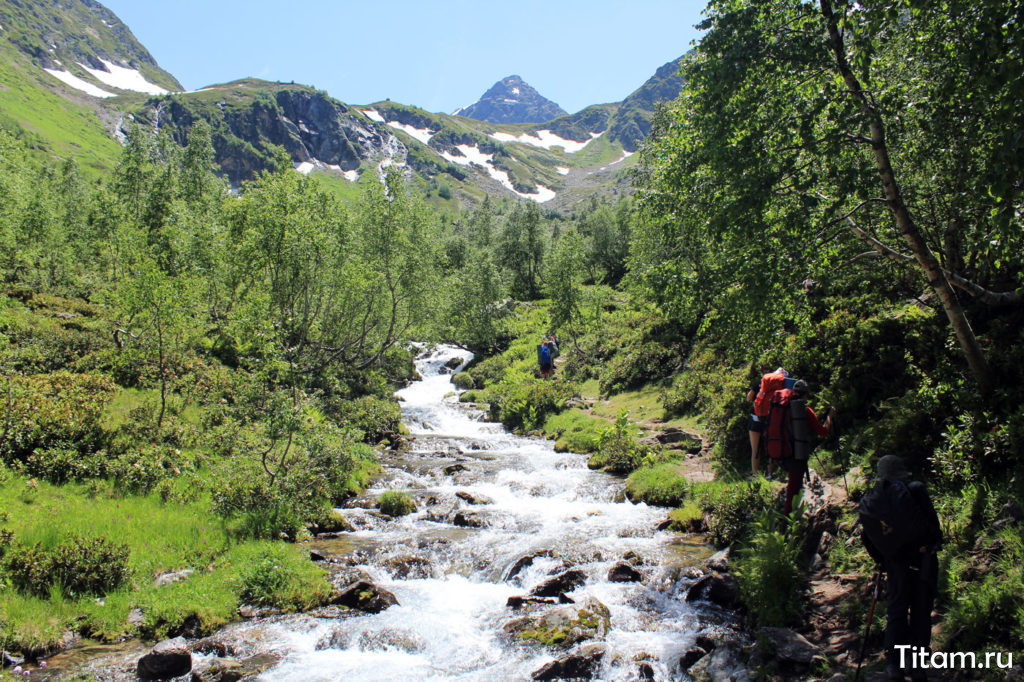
point(512, 100)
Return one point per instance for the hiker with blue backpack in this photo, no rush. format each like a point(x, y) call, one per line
point(546, 359)
point(902, 534)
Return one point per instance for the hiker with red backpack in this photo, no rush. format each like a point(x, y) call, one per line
point(902, 534)
point(787, 438)
point(761, 397)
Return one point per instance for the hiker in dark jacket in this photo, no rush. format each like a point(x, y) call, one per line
point(901, 532)
point(797, 466)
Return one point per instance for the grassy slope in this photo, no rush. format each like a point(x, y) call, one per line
point(54, 125)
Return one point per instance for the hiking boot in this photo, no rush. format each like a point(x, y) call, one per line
point(893, 672)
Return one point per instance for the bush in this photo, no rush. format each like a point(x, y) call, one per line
point(55, 410)
point(463, 381)
point(527, 403)
point(732, 508)
point(377, 419)
point(395, 503)
point(770, 580)
point(78, 566)
point(618, 452)
point(266, 579)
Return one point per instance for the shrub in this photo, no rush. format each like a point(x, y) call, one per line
point(266, 579)
point(463, 381)
point(525, 404)
point(77, 566)
point(395, 503)
point(377, 419)
point(636, 365)
point(770, 580)
point(55, 410)
point(618, 452)
point(732, 508)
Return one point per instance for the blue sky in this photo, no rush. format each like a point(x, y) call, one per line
point(435, 54)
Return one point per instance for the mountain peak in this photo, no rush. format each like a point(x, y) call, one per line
point(512, 100)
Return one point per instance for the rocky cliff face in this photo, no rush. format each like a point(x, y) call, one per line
point(512, 100)
point(310, 126)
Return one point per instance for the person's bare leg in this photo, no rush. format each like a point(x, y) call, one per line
point(755, 441)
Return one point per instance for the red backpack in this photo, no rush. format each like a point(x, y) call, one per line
point(787, 433)
point(771, 382)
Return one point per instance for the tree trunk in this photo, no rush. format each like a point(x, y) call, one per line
point(904, 221)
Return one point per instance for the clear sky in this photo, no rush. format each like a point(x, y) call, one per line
point(434, 54)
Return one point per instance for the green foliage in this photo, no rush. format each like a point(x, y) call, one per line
point(463, 381)
point(618, 451)
point(53, 410)
point(768, 568)
point(660, 485)
point(266, 580)
point(575, 431)
point(732, 508)
point(396, 503)
point(526, 404)
point(77, 566)
point(521, 250)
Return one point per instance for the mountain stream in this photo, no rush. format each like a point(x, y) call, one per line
point(515, 497)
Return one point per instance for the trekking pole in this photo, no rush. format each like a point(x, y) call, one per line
point(867, 630)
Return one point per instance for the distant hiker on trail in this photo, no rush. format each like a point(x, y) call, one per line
point(761, 396)
point(787, 439)
point(901, 532)
point(545, 359)
point(553, 344)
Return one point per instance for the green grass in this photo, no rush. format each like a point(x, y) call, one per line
point(575, 430)
point(162, 538)
point(641, 404)
point(52, 124)
point(660, 485)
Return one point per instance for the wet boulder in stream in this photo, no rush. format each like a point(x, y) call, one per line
point(365, 596)
point(563, 626)
point(581, 664)
point(169, 658)
point(560, 584)
point(623, 572)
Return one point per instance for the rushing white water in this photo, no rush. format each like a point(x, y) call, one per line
point(449, 625)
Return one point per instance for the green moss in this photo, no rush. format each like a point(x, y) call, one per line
point(463, 380)
point(575, 430)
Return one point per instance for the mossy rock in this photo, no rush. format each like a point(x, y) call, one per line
point(395, 503)
point(469, 397)
point(463, 381)
point(563, 626)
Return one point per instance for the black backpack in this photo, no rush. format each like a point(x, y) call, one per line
point(892, 519)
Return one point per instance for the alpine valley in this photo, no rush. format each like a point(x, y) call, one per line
point(74, 78)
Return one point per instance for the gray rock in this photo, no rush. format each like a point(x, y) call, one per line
point(690, 657)
point(220, 670)
point(136, 618)
point(468, 519)
point(560, 584)
point(563, 626)
point(365, 596)
point(622, 572)
point(716, 588)
point(790, 647)
point(453, 469)
point(719, 561)
point(407, 566)
point(580, 664)
point(335, 639)
point(470, 498)
point(645, 671)
point(173, 577)
point(170, 658)
point(210, 645)
point(724, 664)
point(524, 561)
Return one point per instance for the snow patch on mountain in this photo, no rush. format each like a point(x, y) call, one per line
point(562, 170)
point(306, 167)
point(421, 134)
point(78, 84)
point(374, 115)
point(625, 155)
point(123, 78)
point(545, 139)
point(472, 155)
